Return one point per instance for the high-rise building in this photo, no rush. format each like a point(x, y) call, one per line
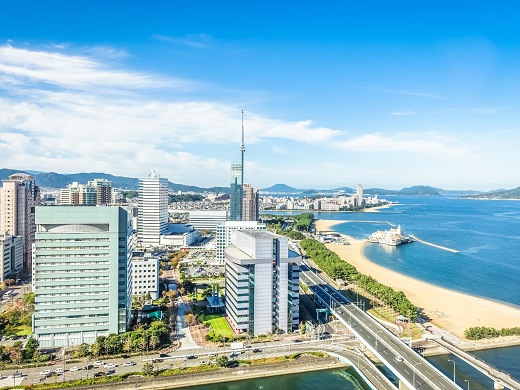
point(226, 231)
point(262, 277)
point(81, 273)
point(237, 182)
point(11, 252)
point(251, 203)
point(152, 214)
point(95, 192)
point(359, 195)
point(18, 197)
point(103, 191)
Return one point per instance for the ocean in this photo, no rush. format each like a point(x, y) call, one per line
point(487, 234)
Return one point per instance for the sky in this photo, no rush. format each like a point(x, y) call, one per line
point(337, 93)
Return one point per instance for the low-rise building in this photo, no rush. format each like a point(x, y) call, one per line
point(145, 275)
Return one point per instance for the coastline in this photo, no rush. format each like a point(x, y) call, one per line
point(447, 309)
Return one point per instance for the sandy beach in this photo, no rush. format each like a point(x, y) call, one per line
point(447, 309)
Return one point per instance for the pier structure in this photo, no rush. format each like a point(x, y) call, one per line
point(434, 245)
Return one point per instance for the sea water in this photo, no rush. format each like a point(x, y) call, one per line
point(487, 235)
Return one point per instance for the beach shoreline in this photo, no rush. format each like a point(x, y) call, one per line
point(448, 309)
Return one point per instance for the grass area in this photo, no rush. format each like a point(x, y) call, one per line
point(389, 315)
point(21, 330)
point(219, 325)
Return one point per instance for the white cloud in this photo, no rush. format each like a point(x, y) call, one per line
point(426, 144)
point(194, 40)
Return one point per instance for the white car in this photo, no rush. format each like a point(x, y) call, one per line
point(126, 364)
point(74, 369)
point(110, 365)
point(59, 370)
point(399, 358)
point(45, 372)
point(98, 363)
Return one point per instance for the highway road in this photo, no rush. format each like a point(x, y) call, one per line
point(410, 367)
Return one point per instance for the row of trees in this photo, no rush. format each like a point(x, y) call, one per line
point(17, 354)
point(330, 263)
point(485, 332)
point(142, 338)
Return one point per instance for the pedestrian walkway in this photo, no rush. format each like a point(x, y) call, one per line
point(183, 330)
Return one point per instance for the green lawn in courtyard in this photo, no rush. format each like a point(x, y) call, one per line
point(22, 330)
point(219, 325)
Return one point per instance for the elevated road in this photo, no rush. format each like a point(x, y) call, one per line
point(412, 369)
point(501, 378)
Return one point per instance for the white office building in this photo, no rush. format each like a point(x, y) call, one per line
point(145, 274)
point(225, 232)
point(11, 250)
point(262, 277)
point(205, 219)
point(81, 273)
point(152, 214)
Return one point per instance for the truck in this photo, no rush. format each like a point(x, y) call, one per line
point(237, 346)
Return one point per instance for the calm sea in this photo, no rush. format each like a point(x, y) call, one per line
point(487, 234)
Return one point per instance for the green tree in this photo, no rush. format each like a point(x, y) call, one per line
point(30, 348)
point(222, 361)
point(28, 298)
point(82, 350)
point(148, 369)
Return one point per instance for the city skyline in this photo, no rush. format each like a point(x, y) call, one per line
point(388, 95)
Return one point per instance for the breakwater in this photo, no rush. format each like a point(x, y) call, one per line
point(434, 245)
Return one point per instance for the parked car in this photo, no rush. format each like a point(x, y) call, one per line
point(98, 374)
point(126, 364)
point(74, 369)
point(59, 370)
point(110, 365)
point(256, 350)
point(190, 357)
point(45, 372)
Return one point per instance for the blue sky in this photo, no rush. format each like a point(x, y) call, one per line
point(386, 94)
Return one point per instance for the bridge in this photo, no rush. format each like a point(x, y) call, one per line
point(500, 378)
point(413, 371)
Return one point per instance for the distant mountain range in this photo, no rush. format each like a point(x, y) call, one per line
point(500, 194)
point(58, 180)
point(416, 190)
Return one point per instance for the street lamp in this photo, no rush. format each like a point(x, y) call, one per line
point(465, 380)
point(377, 332)
point(416, 364)
point(453, 369)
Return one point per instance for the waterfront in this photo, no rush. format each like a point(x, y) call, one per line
point(486, 233)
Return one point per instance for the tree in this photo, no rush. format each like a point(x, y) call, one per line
point(15, 354)
point(148, 369)
point(222, 361)
point(82, 350)
point(127, 345)
point(28, 298)
point(154, 341)
point(9, 282)
point(30, 348)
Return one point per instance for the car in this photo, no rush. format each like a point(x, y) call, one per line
point(88, 367)
point(59, 370)
point(190, 357)
point(256, 350)
point(399, 358)
point(45, 372)
point(4, 338)
point(111, 372)
point(163, 355)
point(340, 311)
point(98, 363)
point(126, 364)
point(110, 365)
point(98, 374)
point(74, 369)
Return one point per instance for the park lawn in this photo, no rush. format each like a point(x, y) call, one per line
point(22, 330)
point(219, 325)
